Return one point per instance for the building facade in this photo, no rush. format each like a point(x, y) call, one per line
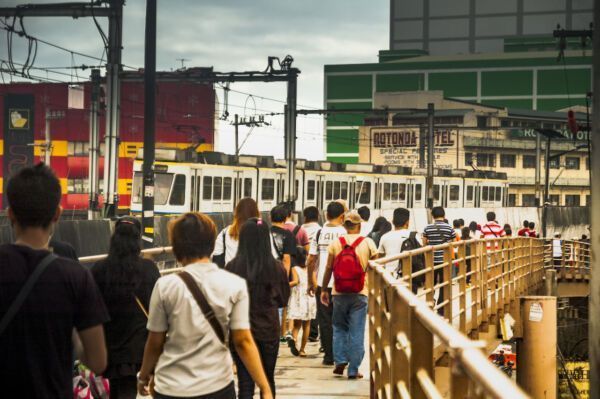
point(443, 27)
point(185, 117)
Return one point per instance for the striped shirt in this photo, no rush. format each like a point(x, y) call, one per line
point(439, 233)
point(492, 230)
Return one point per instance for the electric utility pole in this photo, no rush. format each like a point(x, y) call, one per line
point(94, 147)
point(248, 122)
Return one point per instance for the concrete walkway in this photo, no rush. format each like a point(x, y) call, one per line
point(307, 378)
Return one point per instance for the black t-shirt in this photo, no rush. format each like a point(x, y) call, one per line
point(284, 241)
point(36, 351)
point(126, 331)
point(266, 297)
point(63, 249)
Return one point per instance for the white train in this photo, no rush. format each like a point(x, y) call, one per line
point(213, 183)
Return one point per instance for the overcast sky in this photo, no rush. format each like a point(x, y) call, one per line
point(236, 35)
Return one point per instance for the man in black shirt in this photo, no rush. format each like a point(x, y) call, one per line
point(36, 344)
point(284, 242)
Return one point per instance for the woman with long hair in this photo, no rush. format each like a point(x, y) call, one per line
point(226, 245)
point(202, 309)
point(380, 227)
point(126, 281)
point(269, 290)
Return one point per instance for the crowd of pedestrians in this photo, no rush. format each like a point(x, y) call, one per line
point(242, 292)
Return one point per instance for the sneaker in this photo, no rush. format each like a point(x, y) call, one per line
point(339, 369)
point(282, 339)
point(328, 362)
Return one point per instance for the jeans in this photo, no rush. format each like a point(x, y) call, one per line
point(349, 319)
point(438, 277)
point(324, 314)
point(268, 351)
point(226, 393)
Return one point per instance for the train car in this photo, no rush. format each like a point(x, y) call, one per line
point(213, 183)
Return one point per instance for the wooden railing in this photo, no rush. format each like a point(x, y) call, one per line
point(480, 281)
point(570, 258)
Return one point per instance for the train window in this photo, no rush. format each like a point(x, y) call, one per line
point(310, 190)
point(484, 193)
point(394, 191)
point(344, 190)
point(268, 189)
point(402, 190)
point(364, 192)
point(227, 188)
point(418, 192)
point(454, 192)
point(207, 188)
point(436, 192)
point(328, 191)
point(217, 188)
point(498, 193)
point(162, 187)
point(386, 191)
point(469, 193)
point(336, 190)
point(247, 187)
point(178, 193)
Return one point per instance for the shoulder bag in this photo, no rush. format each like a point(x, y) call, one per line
point(219, 259)
point(207, 310)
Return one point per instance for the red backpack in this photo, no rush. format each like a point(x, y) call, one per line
point(348, 274)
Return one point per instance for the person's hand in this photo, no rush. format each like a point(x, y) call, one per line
point(266, 394)
point(325, 298)
point(144, 386)
point(311, 289)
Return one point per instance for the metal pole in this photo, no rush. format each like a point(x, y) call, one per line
point(47, 142)
point(94, 147)
point(537, 354)
point(149, 123)
point(290, 135)
point(538, 169)
point(237, 138)
point(113, 95)
point(546, 198)
point(594, 305)
point(421, 148)
point(430, 144)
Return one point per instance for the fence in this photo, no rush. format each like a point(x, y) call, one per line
point(478, 281)
point(570, 258)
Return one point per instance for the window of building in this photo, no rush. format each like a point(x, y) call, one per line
point(512, 199)
point(554, 163)
point(508, 160)
point(528, 200)
point(178, 193)
point(528, 161)
point(554, 199)
point(207, 188)
point(310, 190)
point(588, 200)
point(418, 192)
point(469, 193)
point(468, 158)
point(572, 200)
point(268, 189)
point(247, 187)
point(572, 163)
point(498, 194)
point(454, 192)
point(486, 160)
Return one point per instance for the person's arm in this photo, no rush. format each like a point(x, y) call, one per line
point(326, 279)
point(287, 263)
point(90, 348)
point(311, 262)
point(152, 351)
point(247, 351)
point(295, 279)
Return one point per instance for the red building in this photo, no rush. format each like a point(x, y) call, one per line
point(185, 116)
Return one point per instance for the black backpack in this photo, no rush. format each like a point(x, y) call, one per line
point(418, 261)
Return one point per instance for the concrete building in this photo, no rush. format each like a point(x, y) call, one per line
point(443, 27)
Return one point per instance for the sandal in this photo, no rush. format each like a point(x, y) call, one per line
point(292, 344)
point(302, 353)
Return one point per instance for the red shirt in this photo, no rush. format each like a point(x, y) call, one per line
point(523, 232)
point(532, 233)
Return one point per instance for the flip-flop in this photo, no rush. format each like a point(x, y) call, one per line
point(292, 344)
point(302, 354)
point(339, 369)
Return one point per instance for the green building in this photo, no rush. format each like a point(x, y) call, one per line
point(522, 77)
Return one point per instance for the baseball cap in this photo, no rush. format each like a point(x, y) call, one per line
point(352, 217)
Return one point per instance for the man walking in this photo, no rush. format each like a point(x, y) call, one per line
point(524, 231)
point(439, 232)
point(346, 255)
point(391, 242)
point(317, 263)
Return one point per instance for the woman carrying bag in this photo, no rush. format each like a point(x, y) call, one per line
point(126, 281)
point(201, 309)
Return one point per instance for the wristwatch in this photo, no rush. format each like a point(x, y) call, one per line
point(140, 381)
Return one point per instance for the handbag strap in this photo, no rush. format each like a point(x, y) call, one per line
point(203, 304)
point(25, 291)
point(141, 306)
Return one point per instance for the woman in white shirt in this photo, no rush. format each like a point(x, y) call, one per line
point(195, 361)
point(226, 245)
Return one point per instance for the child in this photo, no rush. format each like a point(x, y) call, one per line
point(302, 307)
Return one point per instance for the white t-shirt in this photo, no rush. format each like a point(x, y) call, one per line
point(391, 244)
point(231, 245)
point(557, 248)
point(194, 362)
point(328, 234)
point(311, 230)
point(365, 228)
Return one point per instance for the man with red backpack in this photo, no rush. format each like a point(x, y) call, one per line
point(347, 262)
